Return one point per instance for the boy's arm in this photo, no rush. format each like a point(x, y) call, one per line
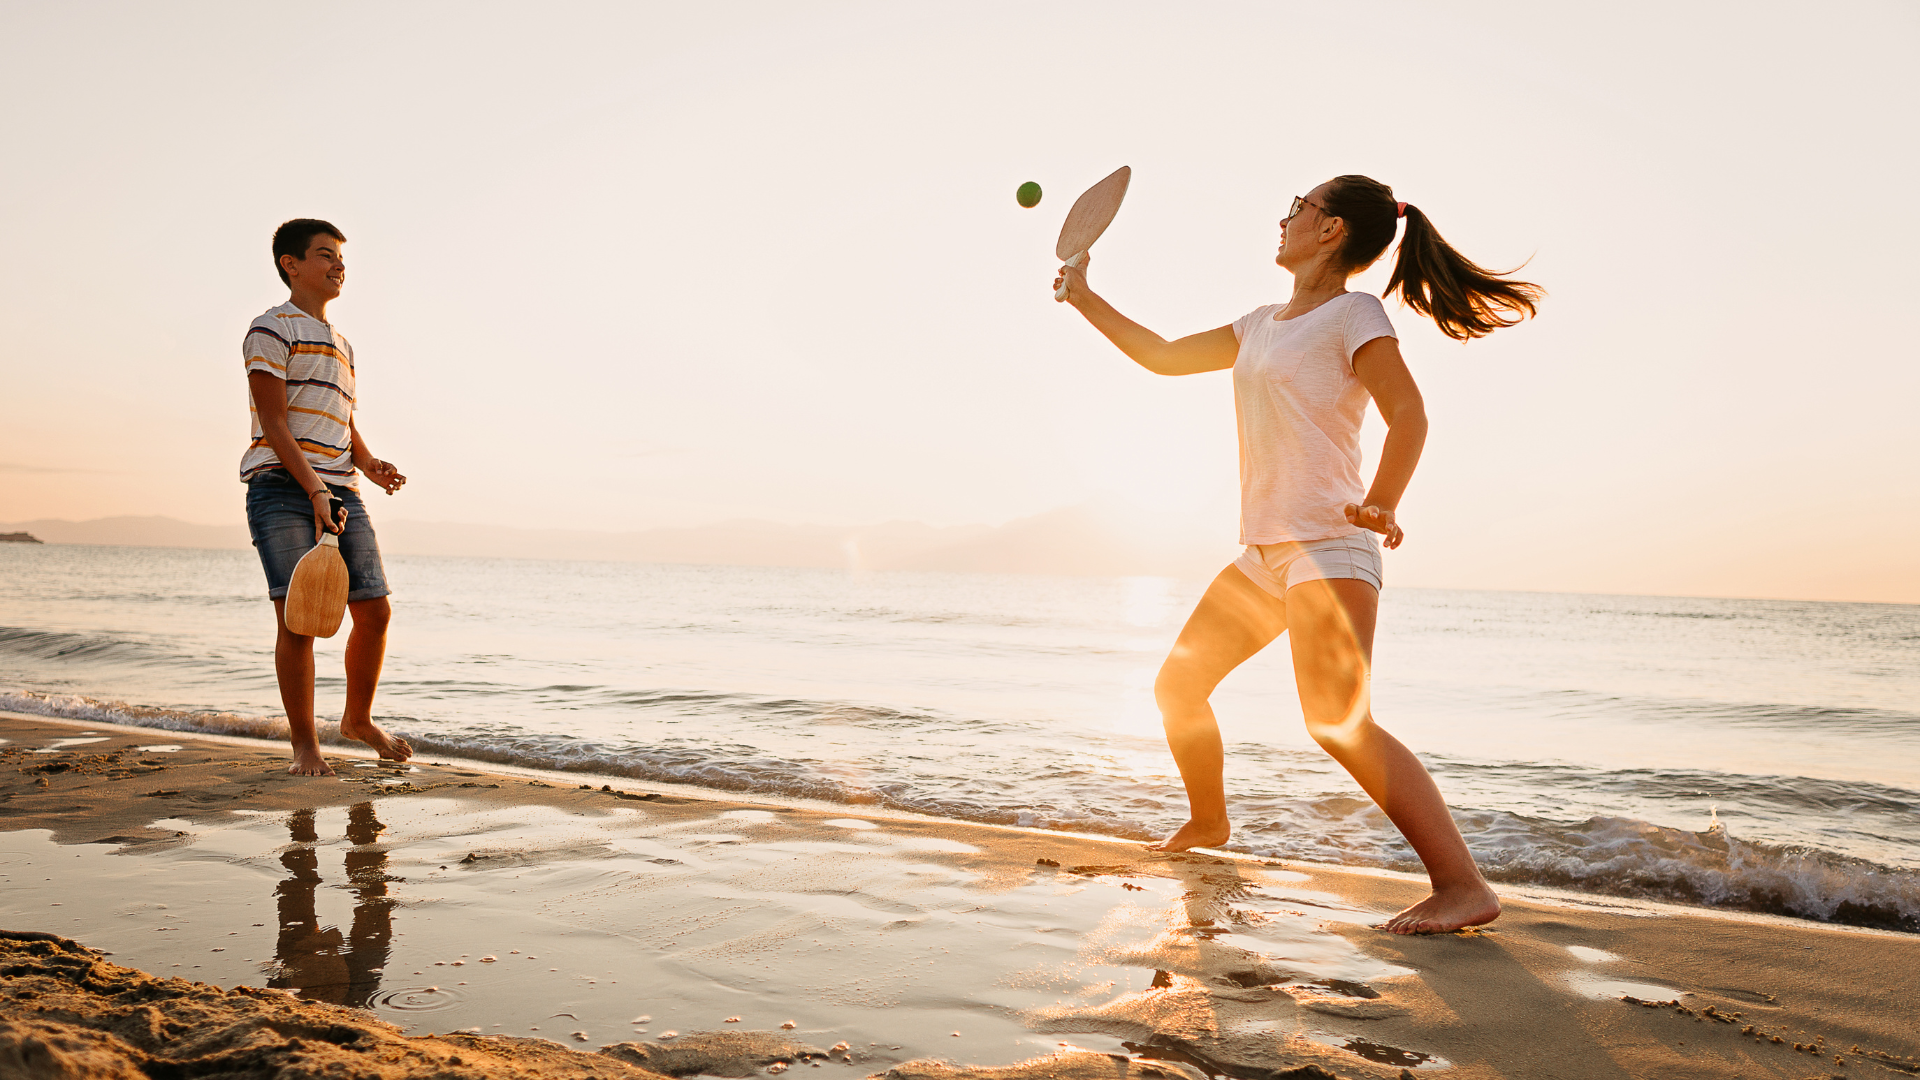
point(270, 402)
point(380, 472)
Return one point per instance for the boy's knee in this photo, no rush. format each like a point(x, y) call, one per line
point(289, 639)
point(372, 614)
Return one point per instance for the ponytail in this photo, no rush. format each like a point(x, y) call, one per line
point(1464, 299)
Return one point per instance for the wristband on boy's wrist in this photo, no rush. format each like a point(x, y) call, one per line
point(319, 491)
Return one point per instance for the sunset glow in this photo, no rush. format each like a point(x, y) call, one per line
point(764, 261)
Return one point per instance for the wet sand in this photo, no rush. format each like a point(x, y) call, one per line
point(537, 925)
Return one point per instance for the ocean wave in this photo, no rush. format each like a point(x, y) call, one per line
point(1792, 717)
point(1614, 856)
point(1711, 867)
point(1789, 716)
point(710, 703)
point(1806, 795)
point(72, 648)
point(207, 721)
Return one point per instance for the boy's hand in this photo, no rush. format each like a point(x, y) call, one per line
point(327, 519)
point(384, 474)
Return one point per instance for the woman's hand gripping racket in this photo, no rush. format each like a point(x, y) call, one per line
point(1091, 214)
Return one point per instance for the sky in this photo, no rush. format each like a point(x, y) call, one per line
point(618, 266)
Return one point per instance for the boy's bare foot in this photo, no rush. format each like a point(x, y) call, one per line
point(391, 747)
point(308, 762)
point(1447, 910)
point(1195, 834)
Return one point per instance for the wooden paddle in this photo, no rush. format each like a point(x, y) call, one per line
point(1091, 214)
point(317, 595)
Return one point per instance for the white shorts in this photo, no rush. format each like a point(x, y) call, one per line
point(1279, 567)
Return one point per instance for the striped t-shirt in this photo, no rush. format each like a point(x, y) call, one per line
point(317, 364)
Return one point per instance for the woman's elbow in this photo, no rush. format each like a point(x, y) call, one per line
point(1156, 361)
point(1410, 417)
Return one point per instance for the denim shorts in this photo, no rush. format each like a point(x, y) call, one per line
point(1279, 567)
point(280, 517)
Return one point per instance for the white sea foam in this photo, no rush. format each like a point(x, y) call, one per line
point(208, 721)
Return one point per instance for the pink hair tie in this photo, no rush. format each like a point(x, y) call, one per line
point(1399, 209)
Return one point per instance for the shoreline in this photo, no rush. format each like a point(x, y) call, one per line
point(877, 928)
point(335, 746)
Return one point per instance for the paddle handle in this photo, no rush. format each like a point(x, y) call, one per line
point(1061, 292)
point(328, 539)
point(335, 504)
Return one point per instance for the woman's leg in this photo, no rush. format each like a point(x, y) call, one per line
point(1234, 620)
point(1332, 623)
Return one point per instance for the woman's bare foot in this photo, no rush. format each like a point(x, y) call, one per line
point(391, 747)
point(308, 762)
point(1195, 834)
point(1446, 910)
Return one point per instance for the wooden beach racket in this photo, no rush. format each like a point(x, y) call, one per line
point(317, 595)
point(1091, 214)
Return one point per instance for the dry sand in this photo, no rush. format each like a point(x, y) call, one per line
point(448, 920)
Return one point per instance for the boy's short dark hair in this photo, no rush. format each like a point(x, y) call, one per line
point(293, 238)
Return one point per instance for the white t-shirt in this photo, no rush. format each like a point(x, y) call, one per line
point(317, 364)
point(1300, 406)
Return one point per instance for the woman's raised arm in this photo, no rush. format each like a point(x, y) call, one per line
point(1209, 350)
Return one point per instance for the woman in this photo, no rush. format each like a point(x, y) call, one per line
point(1302, 374)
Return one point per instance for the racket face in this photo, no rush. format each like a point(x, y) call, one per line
point(1091, 214)
point(317, 595)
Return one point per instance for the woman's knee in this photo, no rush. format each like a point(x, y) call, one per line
point(1331, 728)
point(1324, 733)
point(1180, 684)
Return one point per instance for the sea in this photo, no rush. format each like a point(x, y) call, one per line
point(1759, 755)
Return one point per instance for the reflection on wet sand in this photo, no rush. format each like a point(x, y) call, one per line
point(316, 960)
point(1245, 984)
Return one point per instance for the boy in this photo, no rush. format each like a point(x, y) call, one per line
point(304, 453)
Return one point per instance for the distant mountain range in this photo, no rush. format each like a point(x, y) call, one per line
point(1104, 539)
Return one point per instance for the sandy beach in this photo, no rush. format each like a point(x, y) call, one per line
point(444, 919)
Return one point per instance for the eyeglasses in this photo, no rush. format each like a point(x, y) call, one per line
point(1293, 211)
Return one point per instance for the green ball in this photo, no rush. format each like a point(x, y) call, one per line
point(1028, 195)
